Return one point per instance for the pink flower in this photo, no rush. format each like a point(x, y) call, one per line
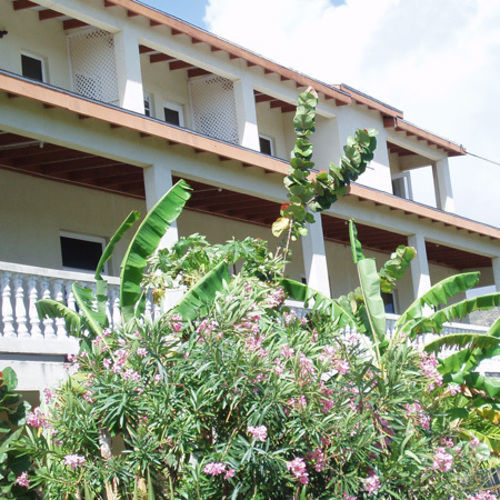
point(106, 362)
point(22, 480)
point(214, 468)
point(372, 484)
point(474, 443)
point(259, 432)
point(130, 374)
point(347, 497)
point(454, 389)
point(229, 474)
point(342, 366)
point(141, 352)
point(37, 418)
point(297, 467)
point(73, 461)
point(306, 366)
point(88, 396)
point(428, 366)
point(483, 495)
point(287, 352)
point(279, 367)
point(49, 394)
point(448, 442)
point(442, 461)
point(176, 322)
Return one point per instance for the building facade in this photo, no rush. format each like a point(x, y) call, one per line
point(104, 104)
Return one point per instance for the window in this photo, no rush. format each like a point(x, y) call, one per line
point(389, 303)
point(266, 145)
point(401, 185)
point(148, 104)
point(173, 114)
point(81, 252)
point(32, 67)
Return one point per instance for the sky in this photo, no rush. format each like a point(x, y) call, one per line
point(438, 61)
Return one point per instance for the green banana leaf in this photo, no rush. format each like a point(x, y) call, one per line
point(49, 308)
point(394, 269)
point(469, 340)
point(356, 248)
point(144, 244)
point(198, 298)
point(129, 221)
point(434, 322)
point(370, 287)
point(495, 328)
point(482, 383)
point(95, 320)
point(322, 304)
point(437, 295)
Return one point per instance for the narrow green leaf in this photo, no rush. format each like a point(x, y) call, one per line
point(470, 340)
point(95, 320)
point(144, 244)
point(370, 287)
point(356, 248)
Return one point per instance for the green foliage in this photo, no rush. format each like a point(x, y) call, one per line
point(145, 242)
point(394, 269)
point(309, 191)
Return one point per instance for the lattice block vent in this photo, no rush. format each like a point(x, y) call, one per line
point(214, 108)
point(93, 65)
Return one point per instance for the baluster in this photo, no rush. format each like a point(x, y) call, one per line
point(59, 296)
point(70, 298)
point(156, 311)
point(117, 317)
point(36, 332)
point(7, 318)
point(148, 313)
point(20, 307)
point(48, 323)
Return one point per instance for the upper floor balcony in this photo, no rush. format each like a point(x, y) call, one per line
point(171, 71)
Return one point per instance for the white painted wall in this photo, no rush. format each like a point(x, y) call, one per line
point(270, 122)
point(33, 211)
point(43, 39)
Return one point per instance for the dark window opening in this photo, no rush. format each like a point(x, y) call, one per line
point(32, 68)
point(80, 254)
point(389, 305)
point(172, 116)
point(266, 146)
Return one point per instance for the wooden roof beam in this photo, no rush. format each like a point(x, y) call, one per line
point(43, 15)
point(154, 58)
point(69, 24)
point(24, 4)
point(180, 65)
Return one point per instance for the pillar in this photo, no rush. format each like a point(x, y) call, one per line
point(128, 69)
point(419, 265)
point(246, 114)
point(157, 181)
point(495, 264)
point(442, 185)
point(315, 265)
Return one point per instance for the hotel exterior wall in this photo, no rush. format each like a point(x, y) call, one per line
point(271, 123)
point(45, 40)
point(33, 212)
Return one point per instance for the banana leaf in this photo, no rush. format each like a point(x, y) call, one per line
point(469, 340)
point(199, 297)
point(356, 249)
point(495, 328)
point(144, 244)
point(322, 304)
point(435, 296)
point(49, 308)
point(95, 320)
point(434, 322)
point(480, 382)
point(394, 269)
point(370, 287)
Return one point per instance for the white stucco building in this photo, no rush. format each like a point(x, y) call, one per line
point(104, 103)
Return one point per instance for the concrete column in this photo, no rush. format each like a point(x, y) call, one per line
point(246, 114)
point(157, 181)
point(128, 69)
point(442, 185)
point(419, 266)
point(315, 265)
point(495, 264)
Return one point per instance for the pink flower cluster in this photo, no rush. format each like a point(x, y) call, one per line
point(297, 467)
point(218, 468)
point(287, 351)
point(121, 358)
point(454, 389)
point(276, 299)
point(259, 432)
point(73, 461)
point(371, 484)
point(482, 495)
point(37, 418)
point(306, 367)
point(175, 322)
point(299, 403)
point(442, 461)
point(416, 411)
point(318, 456)
point(130, 374)
point(330, 354)
point(347, 497)
point(249, 324)
point(22, 480)
point(428, 366)
point(254, 344)
point(205, 330)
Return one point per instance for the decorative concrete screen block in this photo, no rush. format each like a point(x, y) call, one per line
point(214, 107)
point(93, 65)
